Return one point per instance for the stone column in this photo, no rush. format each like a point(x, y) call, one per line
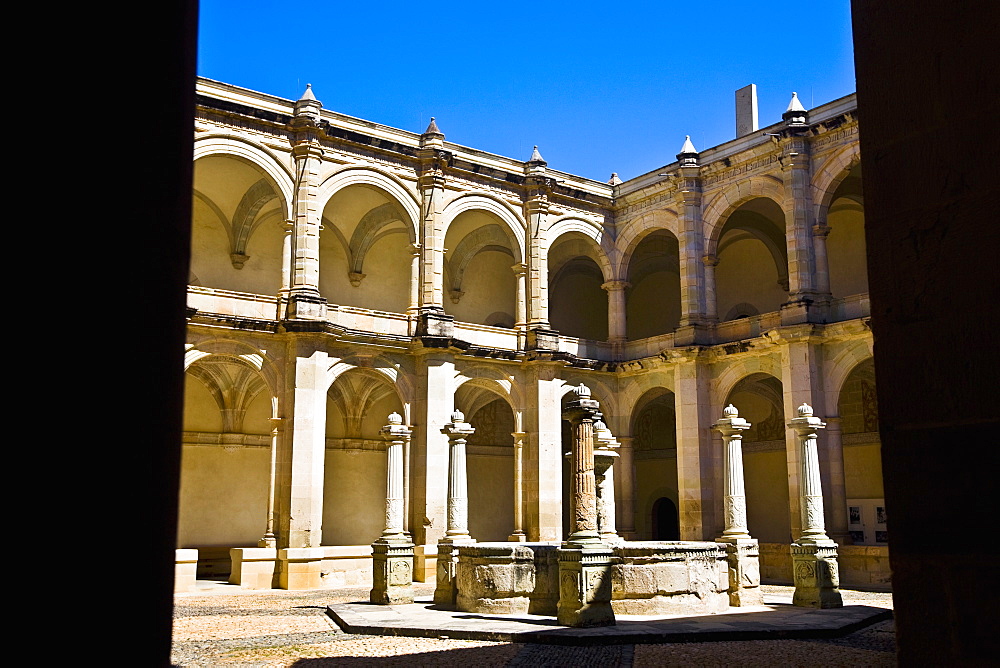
point(304, 297)
point(604, 474)
point(822, 278)
point(584, 561)
point(287, 241)
point(269, 540)
point(458, 432)
point(814, 555)
point(626, 485)
point(520, 302)
point(617, 318)
point(711, 299)
point(413, 309)
point(742, 552)
point(836, 496)
point(392, 553)
point(518, 536)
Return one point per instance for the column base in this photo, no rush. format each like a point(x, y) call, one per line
point(517, 537)
point(392, 573)
point(306, 307)
point(185, 569)
point(437, 324)
point(743, 558)
point(541, 339)
point(300, 567)
point(585, 587)
point(253, 567)
point(446, 590)
point(816, 574)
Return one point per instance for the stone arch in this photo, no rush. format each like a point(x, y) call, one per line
point(841, 367)
point(833, 172)
point(253, 153)
point(599, 390)
point(513, 225)
point(602, 245)
point(377, 366)
point(388, 184)
point(240, 353)
point(369, 230)
point(494, 380)
point(733, 374)
point(638, 229)
point(729, 200)
point(638, 387)
point(487, 237)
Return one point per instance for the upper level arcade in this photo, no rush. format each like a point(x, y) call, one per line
point(306, 218)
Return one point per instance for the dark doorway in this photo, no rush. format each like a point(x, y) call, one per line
point(665, 523)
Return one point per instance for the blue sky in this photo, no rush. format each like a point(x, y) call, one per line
point(599, 87)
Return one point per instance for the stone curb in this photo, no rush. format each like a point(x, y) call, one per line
point(366, 619)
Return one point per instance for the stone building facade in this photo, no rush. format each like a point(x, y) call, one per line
point(343, 270)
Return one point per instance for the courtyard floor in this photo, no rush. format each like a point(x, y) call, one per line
point(222, 625)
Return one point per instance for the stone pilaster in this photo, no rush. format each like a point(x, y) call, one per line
point(814, 555)
point(304, 297)
point(696, 464)
point(582, 413)
point(302, 449)
point(434, 161)
point(543, 497)
point(821, 232)
point(536, 210)
point(626, 488)
point(798, 206)
point(690, 237)
point(392, 553)
point(604, 475)
point(742, 552)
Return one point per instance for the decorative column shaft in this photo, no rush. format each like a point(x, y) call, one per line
point(799, 213)
point(536, 211)
point(434, 161)
point(690, 236)
point(518, 535)
point(735, 501)
point(446, 589)
point(814, 555)
point(392, 553)
point(458, 432)
point(742, 551)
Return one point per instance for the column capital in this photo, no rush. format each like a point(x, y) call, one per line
point(458, 429)
point(710, 260)
point(732, 424)
point(806, 424)
point(395, 430)
point(821, 229)
point(519, 269)
point(611, 286)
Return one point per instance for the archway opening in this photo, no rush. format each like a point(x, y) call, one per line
point(758, 397)
point(654, 428)
point(578, 306)
point(489, 462)
point(858, 408)
point(845, 246)
point(237, 227)
point(653, 306)
point(480, 283)
point(225, 461)
point(751, 276)
point(358, 406)
point(365, 251)
point(665, 522)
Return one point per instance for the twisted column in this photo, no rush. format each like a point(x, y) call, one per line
point(582, 413)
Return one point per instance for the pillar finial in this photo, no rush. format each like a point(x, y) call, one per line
point(688, 156)
point(796, 114)
point(730, 411)
point(805, 410)
point(582, 391)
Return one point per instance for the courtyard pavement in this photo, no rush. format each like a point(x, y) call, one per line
point(223, 625)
